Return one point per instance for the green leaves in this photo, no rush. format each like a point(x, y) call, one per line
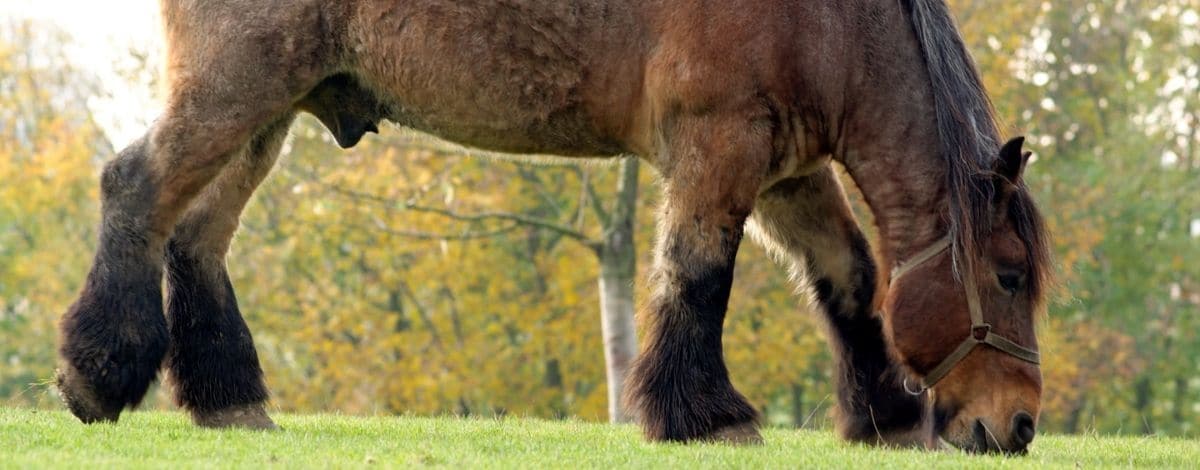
point(1104, 91)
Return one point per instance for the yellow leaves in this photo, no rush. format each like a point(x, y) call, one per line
point(500, 323)
point(409, 323)
point(1083, 360)
point(48, 151)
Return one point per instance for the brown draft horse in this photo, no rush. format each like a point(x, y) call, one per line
point(740, 105)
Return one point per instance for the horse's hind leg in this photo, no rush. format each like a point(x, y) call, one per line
point(114, 337)
point(807, 222)
point(679, 384)
point(212, 363)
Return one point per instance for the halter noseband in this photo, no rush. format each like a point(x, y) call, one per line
point(981, 332)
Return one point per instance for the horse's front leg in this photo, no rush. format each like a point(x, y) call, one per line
point(807, 222)
point(679, 384)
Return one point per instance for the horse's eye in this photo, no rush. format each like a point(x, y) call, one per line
point(1011, 281)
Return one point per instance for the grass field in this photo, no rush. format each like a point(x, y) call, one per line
point(32, 438)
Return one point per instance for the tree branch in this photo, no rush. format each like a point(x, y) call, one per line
point(464, 236)
point(594, 199)
point(536, 180)
point(436, 338)
point(522, 219)
point(509, 216)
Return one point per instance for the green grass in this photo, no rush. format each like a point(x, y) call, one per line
point(32, 438)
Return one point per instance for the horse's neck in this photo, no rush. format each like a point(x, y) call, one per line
point(906, 191)
point(890, 146)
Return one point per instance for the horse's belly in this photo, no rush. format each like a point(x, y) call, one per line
point(567, 132)
point(499, 75)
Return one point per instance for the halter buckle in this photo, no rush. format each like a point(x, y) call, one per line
point(980, 332)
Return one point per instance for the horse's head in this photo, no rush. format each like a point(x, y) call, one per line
point(960, 315)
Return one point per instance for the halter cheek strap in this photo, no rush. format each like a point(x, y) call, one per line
point(981, 331)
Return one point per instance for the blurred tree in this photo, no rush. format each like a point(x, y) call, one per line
point(49, 151)
point(444, 228)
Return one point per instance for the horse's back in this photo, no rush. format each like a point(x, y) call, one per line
point(573, 77)
point(576, 76)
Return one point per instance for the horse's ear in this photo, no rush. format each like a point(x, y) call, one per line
point(1011, 163)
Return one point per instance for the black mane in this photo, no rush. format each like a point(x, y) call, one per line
point(970, 142)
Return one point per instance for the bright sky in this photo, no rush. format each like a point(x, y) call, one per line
point(104, 32)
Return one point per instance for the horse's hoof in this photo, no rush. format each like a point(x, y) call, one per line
point(81, 399)
point(739, 434)
point(920, 437)
point(253, 416)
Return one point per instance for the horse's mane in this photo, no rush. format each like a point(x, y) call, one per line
point(970, 145)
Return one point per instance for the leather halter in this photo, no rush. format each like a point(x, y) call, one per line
point(981, 331)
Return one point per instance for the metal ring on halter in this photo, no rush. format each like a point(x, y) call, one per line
point(910, 391)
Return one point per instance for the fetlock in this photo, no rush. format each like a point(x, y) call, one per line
point(675, 404)
point(250, 416)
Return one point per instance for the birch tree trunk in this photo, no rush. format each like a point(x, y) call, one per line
point(617, 272)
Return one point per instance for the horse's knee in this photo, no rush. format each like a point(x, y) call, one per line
point(127, 175)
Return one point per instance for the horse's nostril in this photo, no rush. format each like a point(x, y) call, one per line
point(982, 443)
point(1023, 430)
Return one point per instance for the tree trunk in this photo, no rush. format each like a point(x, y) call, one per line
point(617, 271)
point(1071, 426)
point(1142, 398)
point(1180, 406)
point(797, 405)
